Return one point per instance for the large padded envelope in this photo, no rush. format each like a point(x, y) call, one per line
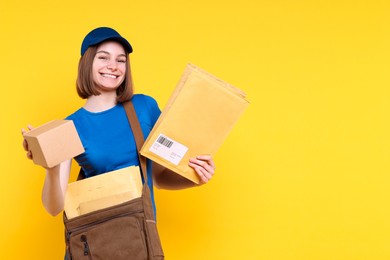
point(102, 191)
point(196, 120)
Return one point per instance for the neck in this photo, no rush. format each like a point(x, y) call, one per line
point(101, 103)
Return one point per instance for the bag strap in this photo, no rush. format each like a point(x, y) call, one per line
point(138, 135)
point(139, 140)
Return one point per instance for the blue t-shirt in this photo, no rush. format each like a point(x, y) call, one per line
point(108, 140)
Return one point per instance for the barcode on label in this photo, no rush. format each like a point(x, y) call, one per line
point(164, 141)
point(168, 149)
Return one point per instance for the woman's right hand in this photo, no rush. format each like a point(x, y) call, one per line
point(25, 144)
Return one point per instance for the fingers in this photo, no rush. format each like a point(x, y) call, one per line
point(204, 166)
point(29, 155)
point(29, 127)
point(25, 147)
point(207, 158)
point(25, 144)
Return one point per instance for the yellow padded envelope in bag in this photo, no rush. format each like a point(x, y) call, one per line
point(102, 191)
point(196, 120)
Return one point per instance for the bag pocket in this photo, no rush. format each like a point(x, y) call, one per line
point(121, 238)
point(153, 239)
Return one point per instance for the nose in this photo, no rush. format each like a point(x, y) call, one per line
point(112, 65)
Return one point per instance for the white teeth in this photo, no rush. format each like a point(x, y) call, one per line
point(110, 76)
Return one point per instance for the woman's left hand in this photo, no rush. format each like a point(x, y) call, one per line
point(204, 166)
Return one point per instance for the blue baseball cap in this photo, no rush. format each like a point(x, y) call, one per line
point(102, 34)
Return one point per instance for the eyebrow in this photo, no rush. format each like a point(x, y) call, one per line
point(106, 52)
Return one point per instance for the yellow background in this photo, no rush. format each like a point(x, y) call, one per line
point(303, 175)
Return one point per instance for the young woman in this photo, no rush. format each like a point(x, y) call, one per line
point(105, 81)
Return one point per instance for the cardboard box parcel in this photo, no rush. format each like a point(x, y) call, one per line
point(54, 142)
point(102, 191)
point(196, 120)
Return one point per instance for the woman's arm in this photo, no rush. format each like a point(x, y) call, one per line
point(56, 181)
point(54, 187)
point(166, 179)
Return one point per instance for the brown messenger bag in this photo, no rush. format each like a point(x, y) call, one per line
point(121, 232)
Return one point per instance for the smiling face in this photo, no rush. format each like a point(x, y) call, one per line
point(109, 66)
